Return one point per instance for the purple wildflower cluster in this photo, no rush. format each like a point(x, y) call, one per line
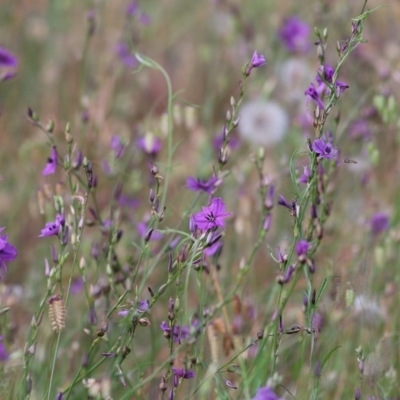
point(323, 86)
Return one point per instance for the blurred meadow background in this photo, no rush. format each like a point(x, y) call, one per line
point(155, 306)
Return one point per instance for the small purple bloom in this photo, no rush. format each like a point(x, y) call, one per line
point(144, 231)
point(143, 305)
point(302, 247)
point(213, 248)
point(7, 59)
point(117, 146)
point(283, 202)
point(294, 34)
point(257, 60)
point(312, 93)
point(233, 142)
point(178, 333)
point(265, 393)
point(212, 216)
point(306, 175)
point(202, 185)
point(149, 144)
point(379, 223)
point(3, 351)
point(51, 165)
point(7, 253)
point(183, 373)
point(125, 55)
point(324, 149)
point(123, 313)
point(52, 228)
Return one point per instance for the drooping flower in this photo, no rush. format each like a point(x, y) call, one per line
point(263, 123)
point(52, 228)
point(51, 165)
point(212, 216)
point(324, 149)
point(7, 253)
point(379, 223)
point(149, 144)
point(202, 185)
point(7, 59)
point(265, 393)
point(294, 34)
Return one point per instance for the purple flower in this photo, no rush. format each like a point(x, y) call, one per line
point(306, 175)
point(212, 216)
point(144, 231)
point(302, 247)
point(3, 351)
point(149, 144)
point(379, 223)
point(312, 93)
point(283, 202)
point(265, 393)
point(256, 62)
point(201, 185)
point(233, 140)
point(7, 59)
point(117, 146)
point(324, 149)
point(125, 55)
point(327, 73)
point(52, 228)
point(7, 253)
point(51, 165)
point(214, 247)
point(178, 333)
point(180, 373)
point(294, 34)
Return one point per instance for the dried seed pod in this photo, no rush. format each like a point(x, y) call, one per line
point(57, 312)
